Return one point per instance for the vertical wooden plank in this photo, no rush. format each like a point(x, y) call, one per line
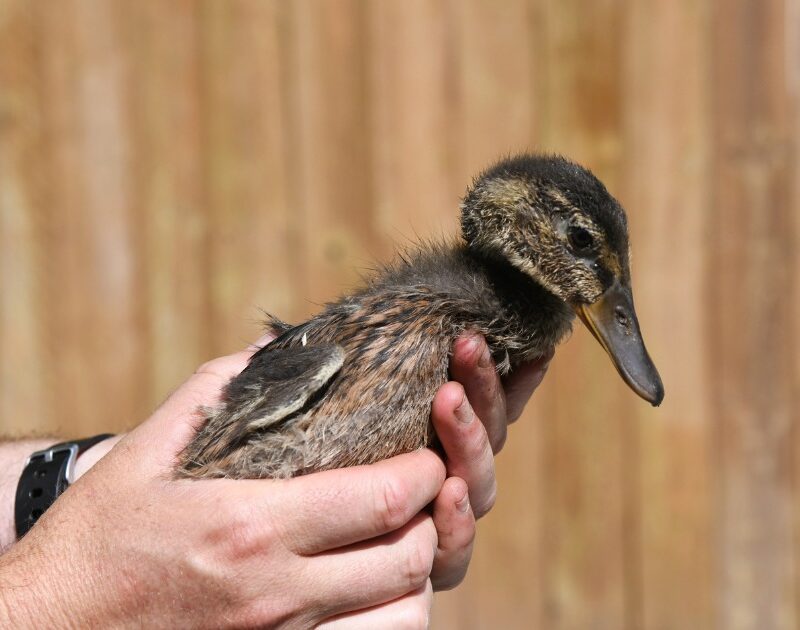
point(752, 333)
point(667, 195)
point(491, 116)
point(586, 461)
point(328, 117)
point(24, 392)
point(93, 290)
point(495, 79)
point(792, 48)
point(252, 250)
point(169, 189)
point(410, 68)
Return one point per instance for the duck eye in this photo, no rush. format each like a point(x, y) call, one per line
point(580, 238)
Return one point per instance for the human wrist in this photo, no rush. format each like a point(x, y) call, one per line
point(92, 455)
point(13, 456)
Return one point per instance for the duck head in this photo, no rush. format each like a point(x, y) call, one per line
point(556, 222)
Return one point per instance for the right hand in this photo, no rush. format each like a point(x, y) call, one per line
point(128, 544)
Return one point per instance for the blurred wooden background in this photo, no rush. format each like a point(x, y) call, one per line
point(167, 168)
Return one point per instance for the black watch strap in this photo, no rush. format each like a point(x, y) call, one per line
point(46, 475)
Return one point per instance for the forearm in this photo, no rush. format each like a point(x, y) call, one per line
point(12, 460)
point(36, 600)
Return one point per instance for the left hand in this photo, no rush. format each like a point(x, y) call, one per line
point(475, 393)
point(471, 415)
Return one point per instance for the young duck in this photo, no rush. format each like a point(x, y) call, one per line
point(542, 240)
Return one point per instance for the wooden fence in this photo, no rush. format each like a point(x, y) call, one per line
point(168, 168)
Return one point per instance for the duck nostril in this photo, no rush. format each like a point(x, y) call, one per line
point(622, 316)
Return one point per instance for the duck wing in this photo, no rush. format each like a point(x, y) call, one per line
point(278, 383)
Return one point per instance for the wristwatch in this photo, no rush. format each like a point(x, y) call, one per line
point(46, 475)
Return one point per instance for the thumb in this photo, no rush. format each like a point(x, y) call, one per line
point(175, 422)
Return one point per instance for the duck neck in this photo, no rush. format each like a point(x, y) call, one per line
point(533, 320)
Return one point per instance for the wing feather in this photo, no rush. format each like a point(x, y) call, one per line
point(277, 384)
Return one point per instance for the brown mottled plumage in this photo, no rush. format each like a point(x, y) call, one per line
point(542, 240)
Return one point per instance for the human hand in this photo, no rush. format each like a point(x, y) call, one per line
point(469, 492)
point(128, 544)
point(476, 393)
point(466, 447)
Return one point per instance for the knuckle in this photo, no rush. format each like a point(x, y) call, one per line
point(240, 543)
point(464, 537)
point(478, 441)
point(242, 537)
point(418, 566)
point(393, 501)
point(469, 539)
point(419, 562)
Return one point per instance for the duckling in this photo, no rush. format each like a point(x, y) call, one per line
point(542, 241)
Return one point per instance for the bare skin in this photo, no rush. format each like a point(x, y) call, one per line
point(128, 545)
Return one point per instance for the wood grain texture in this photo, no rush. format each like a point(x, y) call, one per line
point(667, 189)
point(168, 169)
point(756, 273)
point(586, 539)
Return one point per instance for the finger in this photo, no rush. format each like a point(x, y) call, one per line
point(330, 509)
point(521, 383)
point(472, 366)
point(372, 572)
point(177, 419)
point(455, 530)
point(411, 611)
point(465, 442)
point(205, 386)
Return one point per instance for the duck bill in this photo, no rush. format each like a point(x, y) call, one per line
point(612, 320)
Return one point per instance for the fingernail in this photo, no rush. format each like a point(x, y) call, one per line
point(463, 503)
point(464, 411)
point(485, 360)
